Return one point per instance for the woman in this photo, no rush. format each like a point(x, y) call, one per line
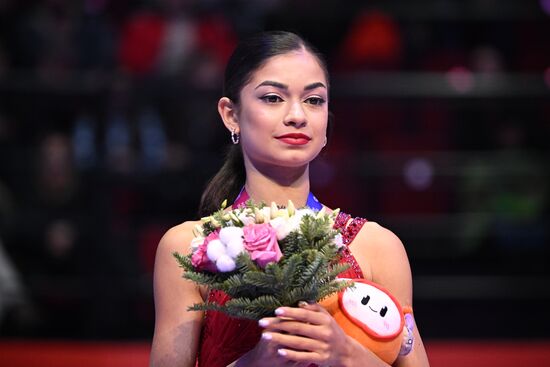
point(275, 107)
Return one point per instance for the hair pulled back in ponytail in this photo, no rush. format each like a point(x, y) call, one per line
point(249, 56)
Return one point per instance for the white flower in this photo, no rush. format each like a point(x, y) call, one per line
point(321, 212)
point(258, 215)
point(234, 218)
point(225, 264)
point(291, 209)
point(234, 248)
point(296, 219)
point(245, 217)
point(196, 242)
point(230, 234)
point(266, 211)
point(339, 240)
point(198, 231)
point(303, 211)
point(282, 226)
point(215, 249)
point(274, 211)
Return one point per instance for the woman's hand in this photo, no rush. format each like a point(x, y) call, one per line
point(308, 334)
point(300, 336)
point(265, 353)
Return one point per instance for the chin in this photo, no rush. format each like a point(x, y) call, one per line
point(295, 162)
point(289, 159)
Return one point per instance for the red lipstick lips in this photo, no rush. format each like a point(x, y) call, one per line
point(294, 139)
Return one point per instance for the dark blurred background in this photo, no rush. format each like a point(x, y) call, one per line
point(109, 131)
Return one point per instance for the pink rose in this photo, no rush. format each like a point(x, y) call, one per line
point(199, 259)
point(261, 242)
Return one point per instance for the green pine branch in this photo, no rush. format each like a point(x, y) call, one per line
point(245, 263)
point(261, 280)
point(183, 261)
point(312, 270)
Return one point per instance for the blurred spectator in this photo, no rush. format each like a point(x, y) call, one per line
point(372, 42)
point(141, 42)
point(84, 143)
point(94, 39)
point(180, 38)
point(14, 301)
point(55, 238)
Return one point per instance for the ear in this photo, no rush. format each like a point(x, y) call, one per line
point(228, 112)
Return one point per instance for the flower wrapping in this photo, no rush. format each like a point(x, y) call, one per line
point(265, 257)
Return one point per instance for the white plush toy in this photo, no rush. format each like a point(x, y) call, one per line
point(372, 316)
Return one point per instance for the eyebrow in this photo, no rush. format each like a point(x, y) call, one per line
point(285, 87)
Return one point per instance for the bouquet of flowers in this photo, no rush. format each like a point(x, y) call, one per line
point(265, 257)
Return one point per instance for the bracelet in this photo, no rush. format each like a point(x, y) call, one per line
point(408, 338)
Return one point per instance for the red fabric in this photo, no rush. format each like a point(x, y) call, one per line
point(217, 38)
point(140, 43)
point(374, 40)
point(224, 339)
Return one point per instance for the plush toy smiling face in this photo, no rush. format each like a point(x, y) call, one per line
point(373, 309)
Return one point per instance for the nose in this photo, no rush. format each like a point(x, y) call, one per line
point(296, 115)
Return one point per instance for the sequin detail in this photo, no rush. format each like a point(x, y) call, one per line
point(349, 231)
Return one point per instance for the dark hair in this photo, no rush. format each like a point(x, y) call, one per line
point(250, 54)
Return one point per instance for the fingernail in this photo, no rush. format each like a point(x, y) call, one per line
point(267, 336)
point(281, 352)
point(279, 312)
point(263, 322)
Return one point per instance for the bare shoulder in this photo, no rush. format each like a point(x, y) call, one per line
point(178, 238)
point(167, 274)
point(177, 330)
point(380, 240)
point(382, 252)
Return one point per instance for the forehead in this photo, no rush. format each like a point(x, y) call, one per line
point(298, 66)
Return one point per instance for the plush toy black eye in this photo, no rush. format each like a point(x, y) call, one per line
point(383, 311)
point(365, 300)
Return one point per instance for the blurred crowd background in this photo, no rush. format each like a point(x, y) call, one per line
point(109, 131)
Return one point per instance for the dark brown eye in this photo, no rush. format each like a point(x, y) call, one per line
point(383, 311)
point(316, 101)
point(365, 300)
point(271, 98)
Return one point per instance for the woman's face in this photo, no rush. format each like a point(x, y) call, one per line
point(283, 113)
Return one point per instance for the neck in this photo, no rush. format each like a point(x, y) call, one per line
point(279, 185)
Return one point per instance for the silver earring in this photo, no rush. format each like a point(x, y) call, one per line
point(235, 137)
point(325, 143)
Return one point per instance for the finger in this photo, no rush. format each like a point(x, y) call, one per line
point(300, 356)
point(317, 332)
point(312, 316)
point(295, 342)
point(273, 322)
point(267, 349)
point(267, 321)
point(312, 306)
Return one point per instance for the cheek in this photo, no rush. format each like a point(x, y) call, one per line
point(320, 119)
point(257, 120)
point(321, 128)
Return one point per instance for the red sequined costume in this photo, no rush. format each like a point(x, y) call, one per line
point(224, 339)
